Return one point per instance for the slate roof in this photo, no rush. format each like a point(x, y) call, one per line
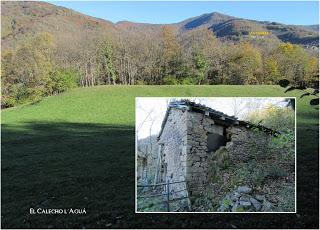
point(222, 118)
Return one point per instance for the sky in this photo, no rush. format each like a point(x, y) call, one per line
point(161, 12)
point(150, 111)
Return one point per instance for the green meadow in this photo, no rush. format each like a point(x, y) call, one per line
point(76, 150)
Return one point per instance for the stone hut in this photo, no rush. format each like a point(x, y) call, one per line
point(190, 134)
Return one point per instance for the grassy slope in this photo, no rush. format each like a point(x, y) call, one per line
point(77, 150)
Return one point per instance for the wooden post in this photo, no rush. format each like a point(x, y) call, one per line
point(168, 196)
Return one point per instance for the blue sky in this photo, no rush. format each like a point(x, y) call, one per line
point(288, 12)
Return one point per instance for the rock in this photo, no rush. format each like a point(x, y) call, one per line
point(233, 197)
point(244, 189)
point(266, 206)
point(236, 194)
point(223, 208)
point(251, 209)
point(234, 207)
point(245, 203)
point(245, 198)
point(233, 226)
point(260, 197)
point(273, 199)
point(256, 204)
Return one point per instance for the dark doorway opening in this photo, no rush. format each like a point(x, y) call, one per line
point(215, 141)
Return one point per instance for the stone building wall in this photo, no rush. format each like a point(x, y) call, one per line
point(173, 151)
point(185, 150)
point(246, 143)
point(198, 127)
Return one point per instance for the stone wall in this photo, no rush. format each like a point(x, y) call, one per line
point(173, 140)
point(246, 143)
point(185, 153)
point(198, 127)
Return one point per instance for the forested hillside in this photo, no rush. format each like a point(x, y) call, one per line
point(48, 49)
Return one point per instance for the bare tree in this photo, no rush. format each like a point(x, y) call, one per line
point(238, 106)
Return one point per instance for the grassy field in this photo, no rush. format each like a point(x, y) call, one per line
point(76, 150)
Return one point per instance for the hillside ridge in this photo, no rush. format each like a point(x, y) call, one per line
point(21, 20)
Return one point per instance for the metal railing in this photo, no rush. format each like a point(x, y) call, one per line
point(167, 194)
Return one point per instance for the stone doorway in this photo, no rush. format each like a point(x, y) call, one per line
point(215, 141)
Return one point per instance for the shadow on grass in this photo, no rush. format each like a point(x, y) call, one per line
point(92, 166)
point(65, 165)
point(308, 118)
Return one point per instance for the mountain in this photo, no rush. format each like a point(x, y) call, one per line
point(21, 20)
point(231, 27)
point(312, 27)
point(222, 25)
point(135, 28)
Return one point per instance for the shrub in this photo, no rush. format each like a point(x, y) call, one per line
point(286, 139)
point(219, 161)
point(274, 117)
point(214, 171)
point(275, 172)
point(249, 173)
point(240, 209)
point(227, 202)
point(283, 145)
point(188, 81)
point(34, 94)
point(8, 101)
point(140, 82)
point(63, 80)
point(222, 157)
point(24, 94)
point(170, 80)
point(257, 176)
point(255, 173)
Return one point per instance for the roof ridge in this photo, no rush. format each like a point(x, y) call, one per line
point(231, 120)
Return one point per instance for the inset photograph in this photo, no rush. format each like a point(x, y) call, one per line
point(215, 155)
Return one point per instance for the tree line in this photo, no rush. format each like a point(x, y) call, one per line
point(42, 66)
